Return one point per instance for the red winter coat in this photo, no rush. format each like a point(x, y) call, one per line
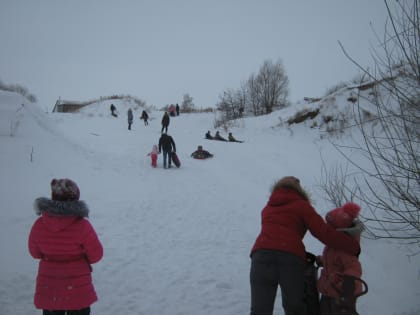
point(285, 220)
point(336, 263)
point(66, 244)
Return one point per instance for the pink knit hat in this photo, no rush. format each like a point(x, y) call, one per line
point(344, 216)
point(64, 190)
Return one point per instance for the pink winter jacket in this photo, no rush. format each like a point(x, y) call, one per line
point(154, 151)
point(66, 244)
point(337, 263)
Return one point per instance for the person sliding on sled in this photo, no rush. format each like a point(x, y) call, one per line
point(209, 136)
point(340, 283)
point(201, 154)
point(232, 138)
point(217, 136)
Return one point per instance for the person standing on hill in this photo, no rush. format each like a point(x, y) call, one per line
point(165, 122)
point(177, 109)
point(66, 245)
point(130, 118)
point(278, 254)
point(167, 145)
point(145, 117)
point(113, 110)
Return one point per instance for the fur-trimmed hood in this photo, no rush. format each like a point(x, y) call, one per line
point(74, 208)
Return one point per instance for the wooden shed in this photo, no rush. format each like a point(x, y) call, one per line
point(62, 106)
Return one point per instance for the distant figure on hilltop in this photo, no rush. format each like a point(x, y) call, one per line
point(172, 110)
point(145, 117)
point(130, 118)
point(113, 110)
point(165, 122)
point(177, 109)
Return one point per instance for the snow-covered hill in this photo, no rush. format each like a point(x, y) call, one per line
point(176, 241)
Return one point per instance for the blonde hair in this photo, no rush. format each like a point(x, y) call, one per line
point(293, 183)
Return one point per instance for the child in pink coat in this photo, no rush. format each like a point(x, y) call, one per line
point(339, 283)
point(154, 155)
point(66, 245)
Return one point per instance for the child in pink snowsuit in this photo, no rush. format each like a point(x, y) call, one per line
point(154, 155)
point(337, 283)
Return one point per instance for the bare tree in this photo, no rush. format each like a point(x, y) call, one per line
point(187, 104)
point(271, 86)
point(260, 94)
point(389, 188)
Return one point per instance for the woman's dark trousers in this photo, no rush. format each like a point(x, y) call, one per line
point(84, 311)
point(270, 269)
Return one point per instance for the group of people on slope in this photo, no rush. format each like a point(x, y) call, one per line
point(166, 142)
point(130, 117)
point(66, 244)
point(217, 136)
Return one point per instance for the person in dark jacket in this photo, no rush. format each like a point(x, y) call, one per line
point(145, 117)
point(167, 145)
point(177, 109)
point(130, 118)
point(278, 255)
point(66, 244)
point(165, 122)
point(113, 110)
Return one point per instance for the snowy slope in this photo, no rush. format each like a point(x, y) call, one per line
point(176, 241)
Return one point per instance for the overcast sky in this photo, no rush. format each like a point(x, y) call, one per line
point(160, 50)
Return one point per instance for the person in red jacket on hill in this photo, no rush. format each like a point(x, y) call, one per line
point(340, 282)
point(278, 255)
point(66, 244)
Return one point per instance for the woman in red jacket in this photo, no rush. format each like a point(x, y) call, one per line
point(66, 244)
point(278, 255)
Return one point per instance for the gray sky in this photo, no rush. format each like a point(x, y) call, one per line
point(160, 50)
